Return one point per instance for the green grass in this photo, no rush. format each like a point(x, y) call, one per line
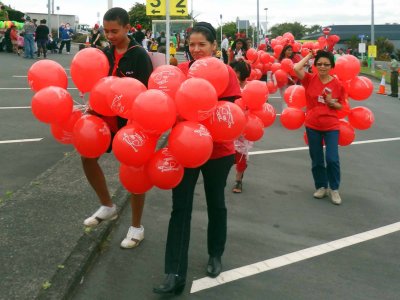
point(377, 74)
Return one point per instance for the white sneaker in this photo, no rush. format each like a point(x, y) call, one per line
point(133, 237)
point(321, 193)
point(102, 214)
point(335, 197)
point(68, 53)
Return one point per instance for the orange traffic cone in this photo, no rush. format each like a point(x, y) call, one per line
point(87, 43)
point(382, 85)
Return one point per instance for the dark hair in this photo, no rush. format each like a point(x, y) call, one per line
point(242, 67)
point(392, 56)
point(244, 47)
point(43, 21)
point(326, 54)
point(117, 14)
point(282, 55)
point(206, 29)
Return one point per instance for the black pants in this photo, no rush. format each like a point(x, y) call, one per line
point(41, 47)
point(68, 43)
point(394, 83)
point(215, 173)
point(225, 56)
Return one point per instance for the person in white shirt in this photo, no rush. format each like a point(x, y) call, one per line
point(224, 48)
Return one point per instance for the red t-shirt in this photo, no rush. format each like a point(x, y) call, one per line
point(320, 116)
point(221, 149)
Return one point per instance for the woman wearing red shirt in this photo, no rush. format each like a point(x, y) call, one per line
point(325, 96)
point(202, 43)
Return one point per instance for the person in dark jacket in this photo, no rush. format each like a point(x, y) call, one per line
point(127, 59)
point(42, 37)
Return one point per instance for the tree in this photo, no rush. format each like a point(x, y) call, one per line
point(295, 28)
point(353, 42)
point(313, 29)
point(228, 28)
point(137, 15)
point(384, 47)
point(14, 15)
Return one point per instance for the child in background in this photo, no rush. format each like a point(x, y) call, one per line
point(172, 49)
point(242, 146)
point(20, 43)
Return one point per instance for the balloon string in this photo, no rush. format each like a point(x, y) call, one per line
point(85, 103)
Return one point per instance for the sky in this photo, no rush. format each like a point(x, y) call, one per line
point(307, 12)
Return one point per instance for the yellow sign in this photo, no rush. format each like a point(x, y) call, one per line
point(155, 7)
point(178, 8)
point(372, 51)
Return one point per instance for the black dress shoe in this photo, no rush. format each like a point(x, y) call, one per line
point(173, 284)
point(214, 266)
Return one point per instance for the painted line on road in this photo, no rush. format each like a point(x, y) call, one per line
point(290, 258)
point(26, 88)
point(21, 141)
point(306, 148)
point(25, 76)
point(15, 107)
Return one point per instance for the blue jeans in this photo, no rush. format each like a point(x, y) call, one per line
point(29, 45)
point(331, 172)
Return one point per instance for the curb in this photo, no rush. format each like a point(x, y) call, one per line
point(85, 252)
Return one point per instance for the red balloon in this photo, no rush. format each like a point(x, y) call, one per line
point(213, 70)
point(304, 51)
point(227, 122)
point(84, 72)
point(345, 110)
point(287, 65)
point(196, 99)
point(134, 179)
point(295, 96)
point(281, 78)
point(251, 54)
point(296, 47)
point(277, 50)
point(267, 114)
point(166, 78)
point(155, 111)
point(132, 146)
point(99, 95)
point(91, 136)
point(63, 132)
point(361, 117)
point(254, 129)
point(264, 57)
point(191, 144)
point(262, 47)
point(346, 133)
point(46, 73)
point(255, 94)
point(360, 88)
point(272, 87)
point(52, 105)
point(164, 170)
point(347, 67)
point(240, 103)
point(124, 92)
point(289, 36)
point(275, 67)
point(292, 118)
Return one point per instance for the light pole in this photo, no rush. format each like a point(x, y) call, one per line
point(372, 36)
point(58, 22)
point(266, 21)
point(258, 23)
point(220, 17)
point(110, 4)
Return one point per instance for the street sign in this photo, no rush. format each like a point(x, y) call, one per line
point(155, 7)
point(361, 47)
point(178, 7)
point(372, 51)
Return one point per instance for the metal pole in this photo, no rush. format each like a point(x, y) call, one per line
point(238, 24)
point(52, 7)
point(110, 4)
point(362, 54)
point(58, 22)
point(220, 16)
point(266, 21)
point(167, 21)
point(258, 23)
point(372, 36)
point(49, 13)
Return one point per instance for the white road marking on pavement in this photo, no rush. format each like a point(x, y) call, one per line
point(290, 258)
point(24, 76)
point(14, 107)
point(21, 141)
point(306, 148)
point(26, 88)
